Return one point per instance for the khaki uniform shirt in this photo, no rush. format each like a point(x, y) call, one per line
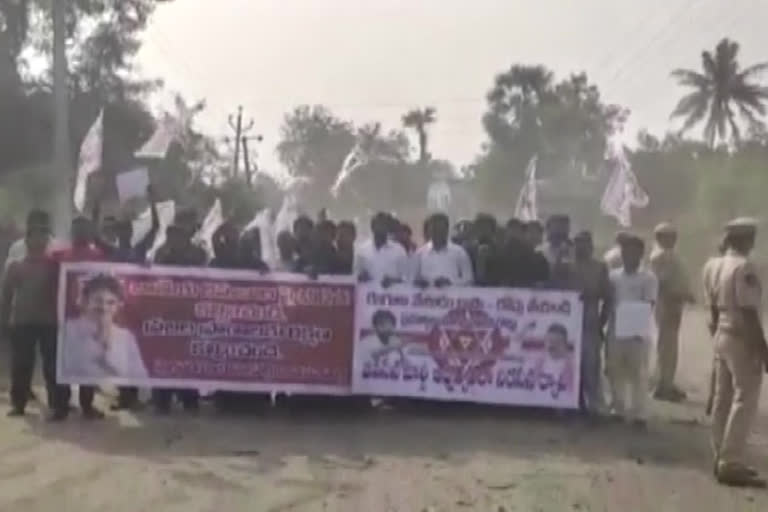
point(710, 273)
point(674, 287)
point(737, 287)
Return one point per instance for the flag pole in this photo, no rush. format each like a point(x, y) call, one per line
point(61, 166)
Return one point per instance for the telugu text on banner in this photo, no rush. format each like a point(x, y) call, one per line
point(502, 346)
point(204, 328)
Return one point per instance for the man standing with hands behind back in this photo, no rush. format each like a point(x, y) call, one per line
point(741, 355)
point(674, 293)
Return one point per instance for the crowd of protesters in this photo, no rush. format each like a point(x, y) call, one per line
point(480, 252)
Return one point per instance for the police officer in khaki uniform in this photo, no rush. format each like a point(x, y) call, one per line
point(674, 293)
point(710, 273)
point(741, 355)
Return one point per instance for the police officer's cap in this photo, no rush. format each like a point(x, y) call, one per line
point(665, 228)
point(741, 226)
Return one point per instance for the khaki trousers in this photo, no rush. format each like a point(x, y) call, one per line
point(738, 378)
point(668, 318)
point(628, 375)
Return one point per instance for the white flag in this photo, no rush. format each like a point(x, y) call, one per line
point(169, 130)
point(158, 144)
point(439, 196)
point(354, 160)
point(89, 159)
point(623, 191)
point(263, 221)
point(213, 219)
point(527, 207)
point(166, 211)
point(289, 212)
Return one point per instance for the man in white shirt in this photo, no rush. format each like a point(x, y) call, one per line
point(380, 259)
point(627, 354)
point(441, 262)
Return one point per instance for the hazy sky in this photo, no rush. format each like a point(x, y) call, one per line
point(371, 60)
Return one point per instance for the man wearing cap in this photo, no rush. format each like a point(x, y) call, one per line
point(674, 292)
point(741, 355)
point(709, 275)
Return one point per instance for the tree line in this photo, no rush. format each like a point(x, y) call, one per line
point(710, 167)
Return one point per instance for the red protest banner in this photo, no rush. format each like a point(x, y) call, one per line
point(199, 327)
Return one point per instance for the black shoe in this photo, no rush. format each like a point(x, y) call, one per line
point(640, 425)
point(92, 413)
point(743, 477)
point(16, 412)
point(58, 416)
point(673, 395)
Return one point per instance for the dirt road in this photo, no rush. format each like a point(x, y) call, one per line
point(450, 460)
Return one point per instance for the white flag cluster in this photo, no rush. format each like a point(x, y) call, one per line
point(213, 219)
point(263, 222)
point(169, 130)
point(89, 159)
point(289, 212)
point(527, 207)
point(166, 211)
point(623, 191)
point(354, 160)
point(439, 196)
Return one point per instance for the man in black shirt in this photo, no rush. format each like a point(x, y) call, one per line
point(233, 253)
point(125, 252)
point(345, 246)
point(325, 258)
point(523, 266)
point(485, 252)
point(179, 250)
point(303, 232)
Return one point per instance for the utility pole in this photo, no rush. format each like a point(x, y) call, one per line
point(247, 159)
point(237, 125)
point(61, 166)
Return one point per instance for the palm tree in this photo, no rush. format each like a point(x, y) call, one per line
point(720, 90)
point(419, 119)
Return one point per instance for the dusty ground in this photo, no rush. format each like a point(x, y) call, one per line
point(484, 460)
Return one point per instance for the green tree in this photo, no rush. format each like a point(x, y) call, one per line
point(566, 123)
point(314, 144)
point(721, 90)
point(419, 120)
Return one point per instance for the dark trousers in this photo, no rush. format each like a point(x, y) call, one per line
point(127, 397)
point(24, 340)
point(189, 398)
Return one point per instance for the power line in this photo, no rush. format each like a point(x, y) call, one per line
point(623, 68)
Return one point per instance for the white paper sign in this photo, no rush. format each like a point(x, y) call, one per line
point(132, 184)
point(634, 319)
